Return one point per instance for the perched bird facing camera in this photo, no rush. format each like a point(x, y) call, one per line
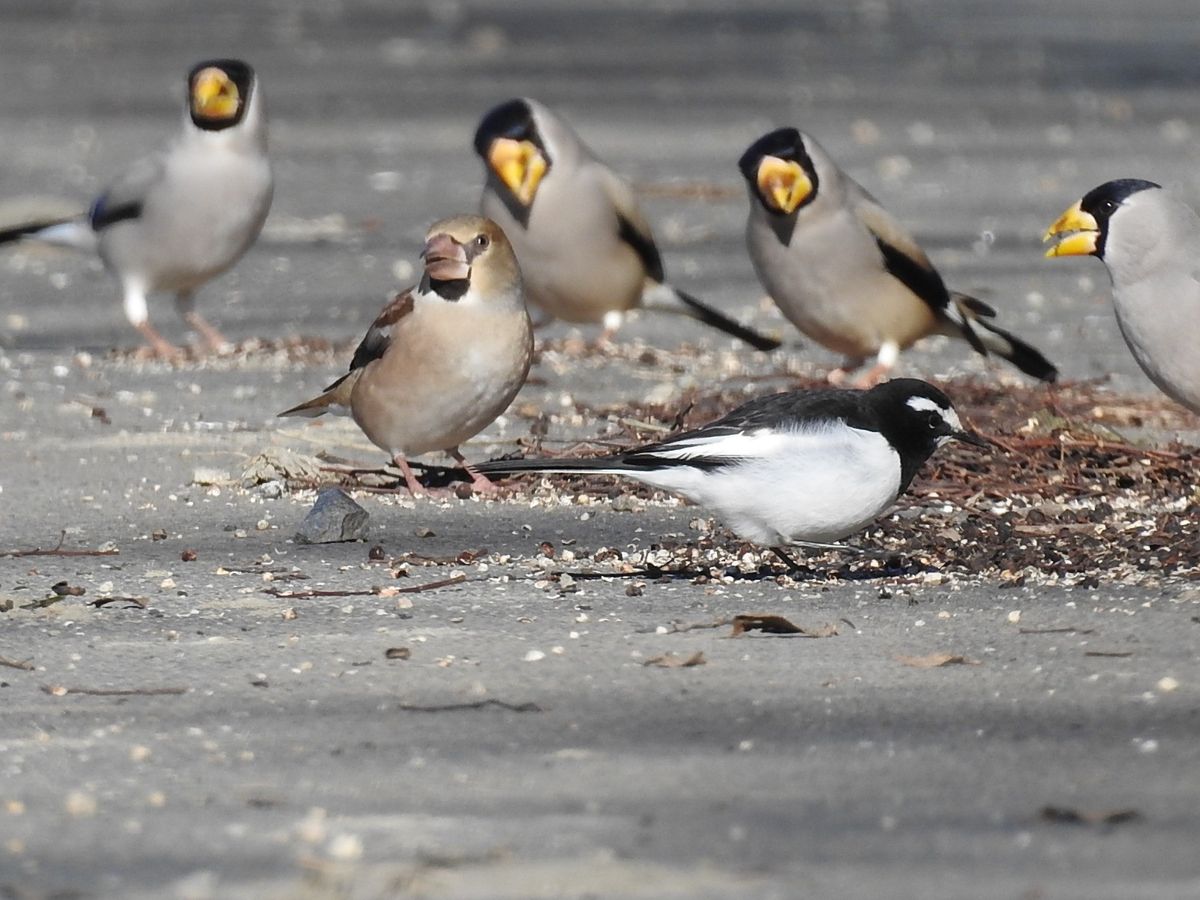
point(586, 251)
point(177, 219)
point(846, 273)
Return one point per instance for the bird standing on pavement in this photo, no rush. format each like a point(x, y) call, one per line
point(846, 273)
point(174, 220)
point(586, 251)
point(792, 469)
point(443, 359)
point(1150, 243)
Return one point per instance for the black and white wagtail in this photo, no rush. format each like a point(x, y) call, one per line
point(806, 467)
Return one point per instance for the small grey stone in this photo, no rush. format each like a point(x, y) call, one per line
point(333, 518)
point(271, 490)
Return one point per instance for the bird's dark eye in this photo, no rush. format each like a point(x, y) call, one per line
point(482, 241)
point(1109, 206)
point(935, 421)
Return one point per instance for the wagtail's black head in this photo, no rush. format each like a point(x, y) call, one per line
point(219, 93)
point(1083, 229)
point(916, 418)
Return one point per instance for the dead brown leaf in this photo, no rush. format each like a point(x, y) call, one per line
point(134, 602)
point(1062, 815)
point(936, 660)
point(677, 660)
point(772, 624)
point(397, 653)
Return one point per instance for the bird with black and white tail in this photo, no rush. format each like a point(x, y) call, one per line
point(793, 469)
point(587, 253)
point(847, 273)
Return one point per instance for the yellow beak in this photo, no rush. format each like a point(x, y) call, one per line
point(520, 165)
point(782, 183)
point(214, 95)
point(1077, 232)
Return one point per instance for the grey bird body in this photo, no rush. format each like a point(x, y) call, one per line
point(587, 253)
point(829, 281)
point(845, 272)
point(203, 202)
point(179, 217)
point(573, 278)
point(1150, 243)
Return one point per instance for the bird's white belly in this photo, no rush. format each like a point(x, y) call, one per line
point(197, 230)
point(811, 488)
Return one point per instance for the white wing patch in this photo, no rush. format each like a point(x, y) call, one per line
point(757, 444)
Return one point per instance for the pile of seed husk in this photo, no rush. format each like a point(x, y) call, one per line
point(1082, 487)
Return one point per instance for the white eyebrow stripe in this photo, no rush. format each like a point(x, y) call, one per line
point(925, 404)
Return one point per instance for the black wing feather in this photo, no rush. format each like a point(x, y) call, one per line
point(102, 214)
point(925, 282)
point(643, 246)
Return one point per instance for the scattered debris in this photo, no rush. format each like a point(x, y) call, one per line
point(204, 476)
point(25, 665)
point(334, 518)
point(1065, 630)
point(189, 555)
point(281, 464)
point(1116, 654)
point(58, 550)
point(936, 661)
point(476, 704)
point(676, 628)
point(373, 592)
point(66, 589)
point(58, 690)
point(672, 660)
point(317, 351)
point(397, 653)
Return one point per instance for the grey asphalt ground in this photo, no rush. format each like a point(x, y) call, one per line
point(300, 761)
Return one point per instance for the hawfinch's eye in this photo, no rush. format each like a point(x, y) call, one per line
point(482, 241)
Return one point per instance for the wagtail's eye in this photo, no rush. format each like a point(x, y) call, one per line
point(481, 242)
